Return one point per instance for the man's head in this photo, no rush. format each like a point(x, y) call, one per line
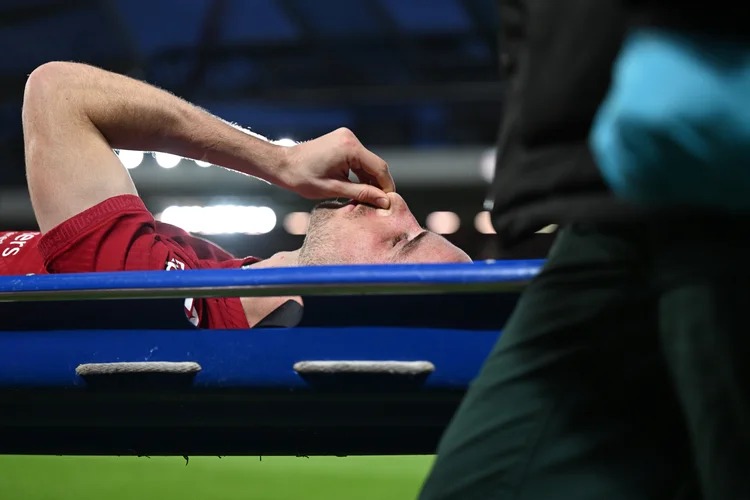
point(351, 233)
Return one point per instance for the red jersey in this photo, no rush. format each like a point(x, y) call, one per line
point(120, 234)
point(18, 253)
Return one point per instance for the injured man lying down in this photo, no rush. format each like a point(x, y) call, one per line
point(91, 218)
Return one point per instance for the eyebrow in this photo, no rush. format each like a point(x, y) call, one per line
point(412, 245)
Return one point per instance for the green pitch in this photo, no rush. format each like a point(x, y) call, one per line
point(211, 478)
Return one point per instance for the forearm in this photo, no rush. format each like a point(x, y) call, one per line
point(134, 115)
point(75, 115)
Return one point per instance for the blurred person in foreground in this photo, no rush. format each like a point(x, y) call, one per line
point(622, 374)
point(91, 218)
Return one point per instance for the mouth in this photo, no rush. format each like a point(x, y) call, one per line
point(333, 204)
point(353, 205)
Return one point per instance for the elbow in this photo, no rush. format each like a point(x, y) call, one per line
point(46, 83)
point(47, 101)
point(43, 79)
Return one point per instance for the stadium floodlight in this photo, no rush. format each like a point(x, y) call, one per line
point(285, 142)
point(443, 222)
point(130, 159)
point(166, 160)
point(221, 219)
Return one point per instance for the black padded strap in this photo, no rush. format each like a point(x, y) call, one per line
point(287, 315)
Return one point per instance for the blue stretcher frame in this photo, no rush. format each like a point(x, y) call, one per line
point(248, 397)
point(486, 276)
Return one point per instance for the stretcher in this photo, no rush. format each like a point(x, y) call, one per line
point(108, 364)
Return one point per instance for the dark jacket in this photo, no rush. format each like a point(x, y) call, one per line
point(556, 62)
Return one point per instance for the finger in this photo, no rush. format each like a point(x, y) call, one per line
point(365, 177)
point(363, 193)
point(378, 168)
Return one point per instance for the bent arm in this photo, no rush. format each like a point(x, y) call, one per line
point(75, 115)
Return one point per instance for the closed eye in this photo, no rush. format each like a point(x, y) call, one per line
point(399, 238)
point(412, 244)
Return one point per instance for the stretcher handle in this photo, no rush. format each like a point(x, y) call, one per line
point(365, 376)
point(403, 368)
point(138, 367)
point(139, 375)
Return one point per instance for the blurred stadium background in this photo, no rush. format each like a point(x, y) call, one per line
point(416, 80)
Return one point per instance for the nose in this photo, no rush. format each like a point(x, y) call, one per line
point(398, 205)
point(400, 213)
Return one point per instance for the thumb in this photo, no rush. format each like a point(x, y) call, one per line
point(365, 193)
